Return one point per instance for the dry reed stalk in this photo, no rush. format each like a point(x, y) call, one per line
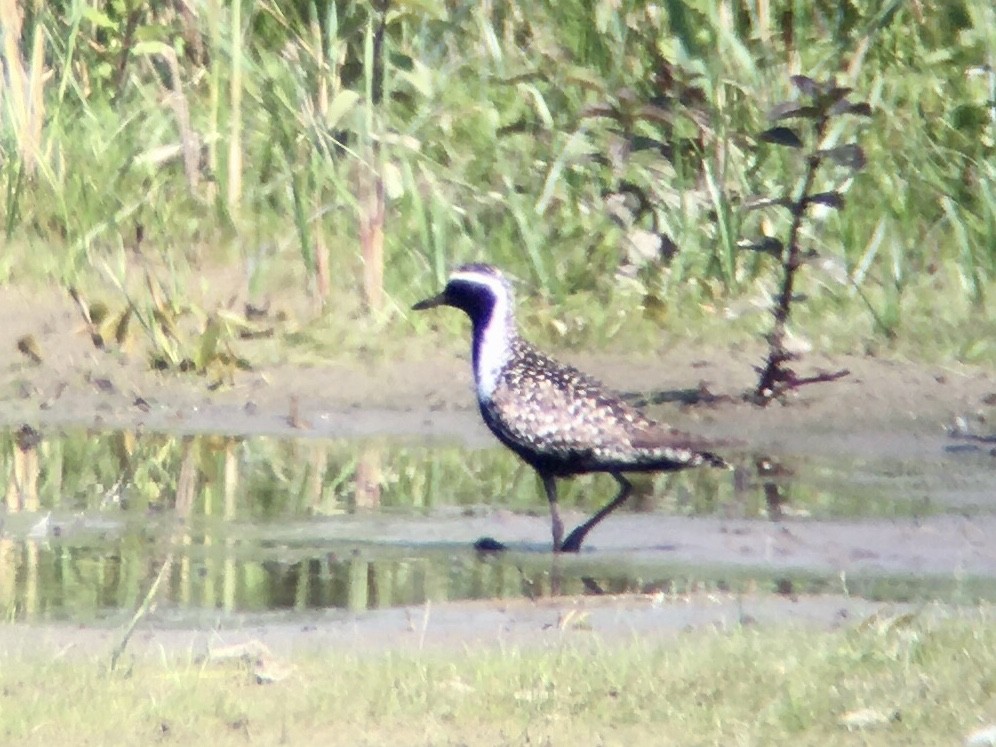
point(22, 88)
point(366, 492)
point(323, 279)
point(22, 487)
point(189, 141)
point(318, 464)
point(235, 93)
point(371, 203)
point(323, 275)
point(231, 488)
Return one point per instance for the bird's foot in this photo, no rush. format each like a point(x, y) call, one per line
point(573, 541)
point(489, 545)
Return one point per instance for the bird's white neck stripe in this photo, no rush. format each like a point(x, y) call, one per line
point(493, 339)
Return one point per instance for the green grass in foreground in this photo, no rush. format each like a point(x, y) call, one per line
point(898, 682)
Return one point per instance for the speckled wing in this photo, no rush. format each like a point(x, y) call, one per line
point(688, 449)
point(562, 415)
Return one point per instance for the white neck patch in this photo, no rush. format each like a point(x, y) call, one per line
point(494, 338)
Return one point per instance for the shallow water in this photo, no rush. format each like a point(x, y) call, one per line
point(240, 527)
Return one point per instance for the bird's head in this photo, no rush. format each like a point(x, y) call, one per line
point(480, 290)
point(484, 294)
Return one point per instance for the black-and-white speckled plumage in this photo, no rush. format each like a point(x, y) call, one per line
point(564, 422)
point(557, 419)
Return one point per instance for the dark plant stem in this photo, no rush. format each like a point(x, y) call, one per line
point(377, 94)
point(775, 378)
point(133, 16)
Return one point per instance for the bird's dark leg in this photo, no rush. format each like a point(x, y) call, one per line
point(556, 524)
point(575, 538)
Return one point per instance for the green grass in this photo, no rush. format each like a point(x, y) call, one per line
point(244, 137)
point(896, 681)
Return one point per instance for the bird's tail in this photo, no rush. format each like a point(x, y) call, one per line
point(714, 460)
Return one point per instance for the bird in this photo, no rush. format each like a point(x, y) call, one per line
point(558, 420)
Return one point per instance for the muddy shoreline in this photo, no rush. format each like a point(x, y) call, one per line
point(423, 388)
point(898, 409)
point(884, 410)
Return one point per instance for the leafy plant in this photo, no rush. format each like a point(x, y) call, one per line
point(359, 150)
point(820, 105)
point(205, 346)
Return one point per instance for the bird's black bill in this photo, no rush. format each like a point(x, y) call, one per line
point(429, 303)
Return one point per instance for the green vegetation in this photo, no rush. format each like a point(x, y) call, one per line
point(602, 151)
point(189, 171)
point(897, 680)
point(820, 104)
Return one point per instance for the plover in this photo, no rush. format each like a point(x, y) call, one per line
point(557, 419)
